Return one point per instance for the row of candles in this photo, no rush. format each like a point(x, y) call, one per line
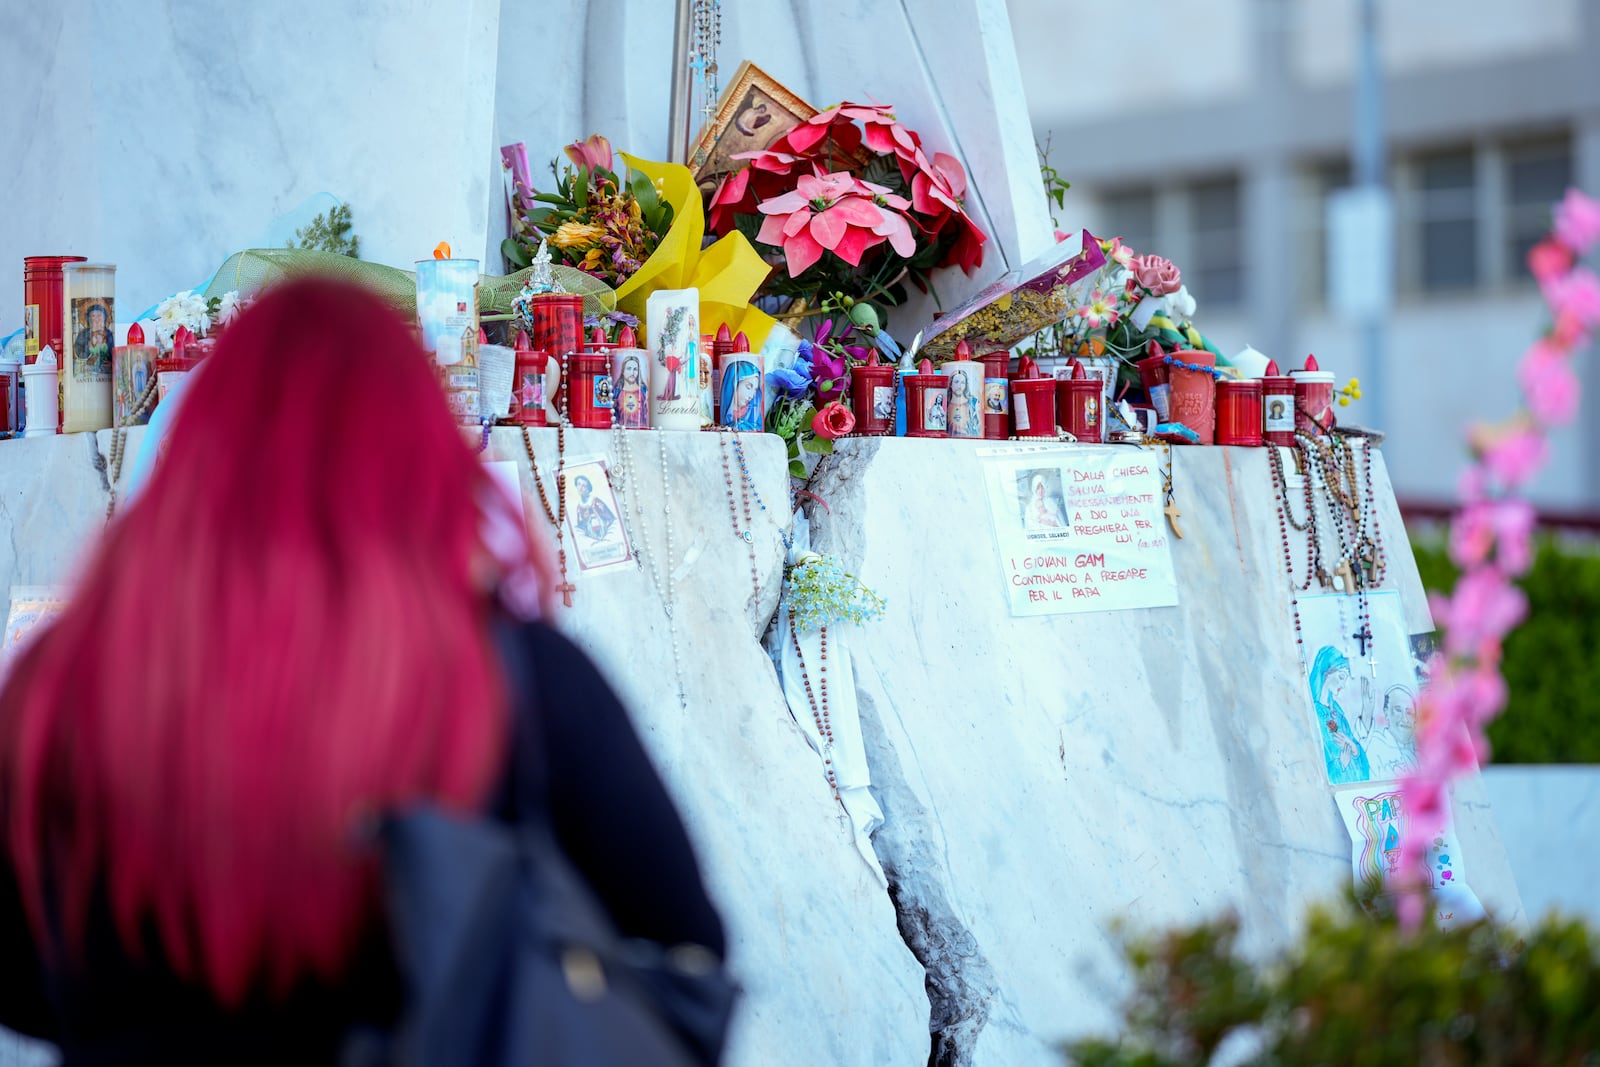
point(73, 376)
point(704, 380)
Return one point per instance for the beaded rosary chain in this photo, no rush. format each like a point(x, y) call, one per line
point(819, 713)
point(119, 439)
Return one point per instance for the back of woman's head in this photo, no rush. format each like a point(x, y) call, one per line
point(285, 634)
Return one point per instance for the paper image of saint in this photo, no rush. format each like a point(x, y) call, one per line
point(594, 524)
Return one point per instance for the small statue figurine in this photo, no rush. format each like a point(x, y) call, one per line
point(542, 279)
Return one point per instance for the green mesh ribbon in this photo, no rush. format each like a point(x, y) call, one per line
point(254, 269)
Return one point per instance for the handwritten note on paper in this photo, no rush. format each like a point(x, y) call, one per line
point(1079, 529)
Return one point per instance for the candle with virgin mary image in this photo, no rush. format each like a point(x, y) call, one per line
point(743, 403)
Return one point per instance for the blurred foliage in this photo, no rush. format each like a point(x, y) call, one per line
point(1552, 661)
point(1360, 991)
point(330, 231)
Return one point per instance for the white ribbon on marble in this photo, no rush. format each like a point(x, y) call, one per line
point(848, 751)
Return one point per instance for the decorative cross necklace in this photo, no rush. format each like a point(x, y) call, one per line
point(1285, 520)
point(1171, 510)
point(1334, 462)
point(819, 712)
point(558, 514)
point(665, 589)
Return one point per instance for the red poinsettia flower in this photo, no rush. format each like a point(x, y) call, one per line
point(824, 213)
point(833, 421)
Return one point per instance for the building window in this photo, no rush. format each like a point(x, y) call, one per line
point(1537, 175)
point(1215, 269)
point(1131, 215)
point(1446, 218)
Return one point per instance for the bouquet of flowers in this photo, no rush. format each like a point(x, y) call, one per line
point(848, 203)
point(820, 592)
point(198, 313)
point(808, 409)
point(602, 223)
point(1129, 302)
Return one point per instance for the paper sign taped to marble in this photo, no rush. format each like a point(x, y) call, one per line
point(1079, 529)
point(1362, 680)
point(30, 606)
point(1374, 815)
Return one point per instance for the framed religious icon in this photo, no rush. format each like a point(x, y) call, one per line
point(754, 111)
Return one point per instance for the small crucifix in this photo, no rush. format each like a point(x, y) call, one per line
point(566, 589)
point(1171, 512)
point(1346, 576)
point(1363, 636)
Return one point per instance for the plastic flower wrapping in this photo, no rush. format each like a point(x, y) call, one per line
point(820, 592)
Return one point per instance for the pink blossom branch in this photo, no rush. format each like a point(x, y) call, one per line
point(1491, 541)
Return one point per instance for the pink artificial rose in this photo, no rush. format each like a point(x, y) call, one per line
point(1548, 260)
point(1157, 274)
point(1576, 295)
point(1578, 221)
point(833, 421)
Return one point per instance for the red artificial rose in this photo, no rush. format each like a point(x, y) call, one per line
point(833, 421)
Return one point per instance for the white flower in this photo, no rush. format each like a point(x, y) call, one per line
point(1182, 303)
point(232, 304)
point(181, 309)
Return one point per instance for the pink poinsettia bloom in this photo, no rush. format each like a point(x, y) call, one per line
point(938, 185)
point(832, 421)
point(824, 213)
point(1578, 221)
point(1549, 384)
point(896, 224)
point(1100, 311)
point(594, 153)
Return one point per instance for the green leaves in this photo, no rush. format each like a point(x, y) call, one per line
point(330, 231)
point(515, 254)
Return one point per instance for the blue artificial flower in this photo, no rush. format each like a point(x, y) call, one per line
point(792, 382)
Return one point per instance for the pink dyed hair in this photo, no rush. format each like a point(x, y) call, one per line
point(286, 633)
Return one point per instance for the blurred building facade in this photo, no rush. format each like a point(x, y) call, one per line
point(1214, 132)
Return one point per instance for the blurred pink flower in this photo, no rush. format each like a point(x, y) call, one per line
point(1578, 221)
point(1157, 274)
point(1482, 610)
point(1513, 456)
point(1548, 260)
point(1576, 294)
point(1503, 528)
point(1117, 252)
point(1101, 310)
point(1549, 384)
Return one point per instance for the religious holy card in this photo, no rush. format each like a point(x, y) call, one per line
point(594, 519)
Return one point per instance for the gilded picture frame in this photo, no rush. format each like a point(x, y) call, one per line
point(753, 111)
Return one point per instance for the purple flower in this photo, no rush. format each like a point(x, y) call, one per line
point(827, 370)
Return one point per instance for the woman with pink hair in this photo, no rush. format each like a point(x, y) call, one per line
point(293, 631)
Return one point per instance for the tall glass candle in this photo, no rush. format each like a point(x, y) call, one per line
point(133, 368)
point(672, 318)
point(447, 312)
point(88, 328)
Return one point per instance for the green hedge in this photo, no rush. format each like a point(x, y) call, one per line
point(1552, 661)
point(1362, 993)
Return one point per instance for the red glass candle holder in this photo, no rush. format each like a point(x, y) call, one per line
point(1033, 407)
point(1078, 403)
point(872, 399)
point(1193, 398)
point(1239, 413)
point(1153, 375)
point(1277, 410)
point(532, 388)
point(589, 398)
point(927, 405)
point(1313, 401)
point(41, 305)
